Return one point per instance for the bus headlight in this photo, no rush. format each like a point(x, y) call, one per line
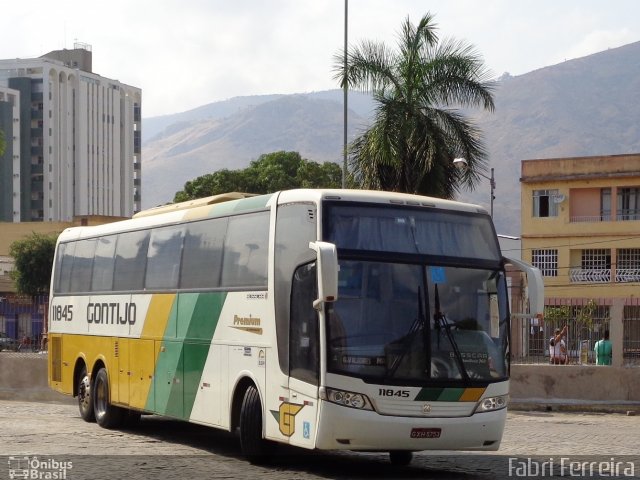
point(347, 399)
point(490, 404)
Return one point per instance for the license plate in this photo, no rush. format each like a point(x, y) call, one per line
point(425, 432)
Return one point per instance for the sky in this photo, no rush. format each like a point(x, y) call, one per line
point(188, 53)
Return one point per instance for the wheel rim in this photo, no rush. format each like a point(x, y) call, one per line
point(84, 393)
point(100, 393)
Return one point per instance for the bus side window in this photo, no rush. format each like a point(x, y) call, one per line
point(163, 262)
point(82, 266)
point(304, 350)
point(131, 260)
point(202, 256)
point(246, 250)
point(63, 274)
point(103, 264)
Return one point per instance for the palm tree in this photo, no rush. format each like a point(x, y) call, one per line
point(418, 128)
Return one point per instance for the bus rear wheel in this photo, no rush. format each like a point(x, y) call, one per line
point(252, 444)
point(400, 458)
point(83, 392)
point(107, 415)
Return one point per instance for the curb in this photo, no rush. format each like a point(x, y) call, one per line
point(574, 406)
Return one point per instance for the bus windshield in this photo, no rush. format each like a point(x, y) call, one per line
point(422, 297)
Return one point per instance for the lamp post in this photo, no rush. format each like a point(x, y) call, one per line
point(463, 164)
point(345, 94)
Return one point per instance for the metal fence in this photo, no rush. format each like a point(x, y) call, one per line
point(631, 336)
point(23, 322)
point(586, 321)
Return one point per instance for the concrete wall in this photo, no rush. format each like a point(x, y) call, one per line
point(575, 382)
point(24, 377)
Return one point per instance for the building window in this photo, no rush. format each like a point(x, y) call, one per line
point(605, 204)
point(595, 266)
point(628, 265)
point(546, 261)
point(596, 259)
point(628, 203)
point(543, 204)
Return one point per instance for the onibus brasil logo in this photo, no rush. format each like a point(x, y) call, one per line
point(38, 469)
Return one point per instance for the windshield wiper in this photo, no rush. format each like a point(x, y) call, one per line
point(440, 320)
point(419, 322)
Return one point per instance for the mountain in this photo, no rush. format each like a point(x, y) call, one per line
point(582, 107)
point(162, 125)
point(204, 140)
point(587, 106)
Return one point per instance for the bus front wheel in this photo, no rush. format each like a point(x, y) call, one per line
point(251, 441)
point(107, 415)
point(83, 392)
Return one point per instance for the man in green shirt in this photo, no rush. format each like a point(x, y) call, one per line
point(603, 350)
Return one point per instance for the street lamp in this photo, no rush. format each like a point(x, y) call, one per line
point(462, 164)
point(345, 93)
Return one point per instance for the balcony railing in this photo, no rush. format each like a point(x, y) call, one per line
point(628, 275)
point(627, 215)
point(590, 275)
point(590, 219)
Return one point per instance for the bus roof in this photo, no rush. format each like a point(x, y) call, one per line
point(236, 202)
point(198, 202)
point(375, 196)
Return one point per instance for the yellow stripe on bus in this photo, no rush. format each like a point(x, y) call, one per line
point(144, 351)
point(157, 317)
point(471, 394)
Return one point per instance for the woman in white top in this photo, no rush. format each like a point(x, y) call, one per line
point(558, 348)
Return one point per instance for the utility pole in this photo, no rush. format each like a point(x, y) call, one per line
point(345, 89)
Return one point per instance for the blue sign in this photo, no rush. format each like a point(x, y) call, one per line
point(437, 275)
point(306, 429)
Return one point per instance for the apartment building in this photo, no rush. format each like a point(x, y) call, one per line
point(73, 138)
point(10, 158)
point(581, 227)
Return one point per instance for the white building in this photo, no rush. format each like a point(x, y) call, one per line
point(79, 135)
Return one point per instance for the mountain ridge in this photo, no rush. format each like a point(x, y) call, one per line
point(581, 107)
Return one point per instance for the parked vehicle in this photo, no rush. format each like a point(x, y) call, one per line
point(7, 343)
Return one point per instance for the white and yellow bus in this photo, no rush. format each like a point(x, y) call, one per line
point(324, 319)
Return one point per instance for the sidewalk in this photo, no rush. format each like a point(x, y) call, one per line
point(574, 405)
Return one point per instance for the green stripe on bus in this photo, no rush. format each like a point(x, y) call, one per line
point(451, 395)
point(429, 394)
point(204, 319)
point(181, 360)
point(166, 365)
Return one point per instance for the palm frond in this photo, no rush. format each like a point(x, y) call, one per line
point(416, 131)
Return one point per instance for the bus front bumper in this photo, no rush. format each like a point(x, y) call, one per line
point(344, 428)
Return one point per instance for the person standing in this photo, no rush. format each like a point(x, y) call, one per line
point(558, 347)
point(604, 350)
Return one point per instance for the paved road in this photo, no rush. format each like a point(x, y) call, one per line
point(161, 448)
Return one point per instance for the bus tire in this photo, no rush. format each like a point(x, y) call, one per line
point(400, 458)
point(251, 442)
point(83, 392)
point(107, 415)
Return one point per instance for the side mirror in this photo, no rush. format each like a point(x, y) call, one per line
point(535, 286)
point(327, 267)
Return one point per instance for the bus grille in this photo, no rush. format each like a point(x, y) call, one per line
point(415, 409)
